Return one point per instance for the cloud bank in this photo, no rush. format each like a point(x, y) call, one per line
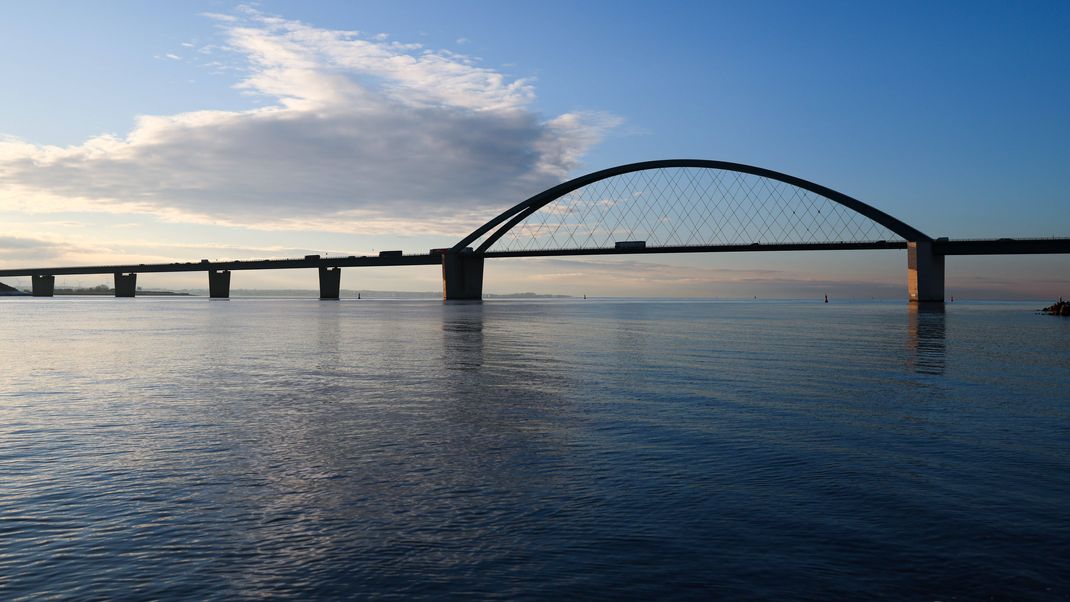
point(360, 134)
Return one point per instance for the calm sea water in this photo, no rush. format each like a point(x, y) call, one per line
point(196, 449)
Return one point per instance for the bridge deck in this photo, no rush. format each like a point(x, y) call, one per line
point(257, 264)
point(824, 246)
point(1002, 246)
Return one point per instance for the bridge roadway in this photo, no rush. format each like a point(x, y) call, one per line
point(942, 246)
point(219, 271)
point(404, 260)
point(1002, 246)
point(255, 264)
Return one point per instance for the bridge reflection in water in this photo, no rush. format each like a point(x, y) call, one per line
point(927, 328)
point(669, 206)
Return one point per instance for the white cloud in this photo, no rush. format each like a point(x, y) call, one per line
point(220, 17)
point(30, 250)
point(359, 134)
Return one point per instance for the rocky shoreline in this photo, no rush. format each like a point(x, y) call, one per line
point(1060, 308)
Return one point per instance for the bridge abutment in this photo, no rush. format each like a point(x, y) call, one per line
point(330, 283)
point(125, 284)
point(925, 273)
point(462, 276)
point(219, 284)
point(44, 285)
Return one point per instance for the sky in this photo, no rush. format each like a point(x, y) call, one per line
point(134, 132)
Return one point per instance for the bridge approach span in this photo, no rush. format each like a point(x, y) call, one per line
point(44, 279)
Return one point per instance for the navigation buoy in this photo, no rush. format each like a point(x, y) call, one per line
point(826, 298)
point(358, 295)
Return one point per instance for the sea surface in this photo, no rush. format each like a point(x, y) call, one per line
point(182, 448)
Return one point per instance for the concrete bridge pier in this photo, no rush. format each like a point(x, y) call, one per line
point(925, 273)
point(330, 282)
point(125, 284)
point(44, 285)
point(462, 276)
point(219, 284)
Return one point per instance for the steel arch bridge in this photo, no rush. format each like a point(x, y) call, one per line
point(687, 206)
point(668, 206)
point(681, 203)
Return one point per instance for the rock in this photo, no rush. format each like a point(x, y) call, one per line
point(1060, 308)
point(7, 291)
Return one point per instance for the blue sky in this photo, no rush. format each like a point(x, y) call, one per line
point(950, 116)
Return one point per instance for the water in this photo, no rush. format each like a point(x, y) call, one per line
point(195, 449)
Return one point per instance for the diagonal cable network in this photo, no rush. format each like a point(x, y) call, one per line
point(689, 206)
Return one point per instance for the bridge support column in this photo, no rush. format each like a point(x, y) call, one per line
point(925, 273)
point(462, 276)
point(44, 285)
point(330, 282)
point(219, 284)
point(125, 284)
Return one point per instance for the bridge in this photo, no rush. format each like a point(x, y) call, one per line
point(668, 206)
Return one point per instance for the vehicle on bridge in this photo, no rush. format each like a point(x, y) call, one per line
point(390, 253)
point(630, 244)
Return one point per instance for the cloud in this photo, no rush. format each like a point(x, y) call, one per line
point(14, 244)
point(358, 135)
point(29, 249)
point(219, 17)
point(83, 250)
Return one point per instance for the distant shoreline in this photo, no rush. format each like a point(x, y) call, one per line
point(367, 294)
point(101, 292)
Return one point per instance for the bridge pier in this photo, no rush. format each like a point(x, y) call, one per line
point(330, 282)
point(44, 285)
point(219, 284)
point(462, 276)
point(125, 284)
point(925, 273)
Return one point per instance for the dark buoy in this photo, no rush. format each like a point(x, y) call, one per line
point(826, 298)
point(584, 296)
point(358, 295)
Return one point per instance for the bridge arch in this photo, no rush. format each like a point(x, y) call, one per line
point(786, 192)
